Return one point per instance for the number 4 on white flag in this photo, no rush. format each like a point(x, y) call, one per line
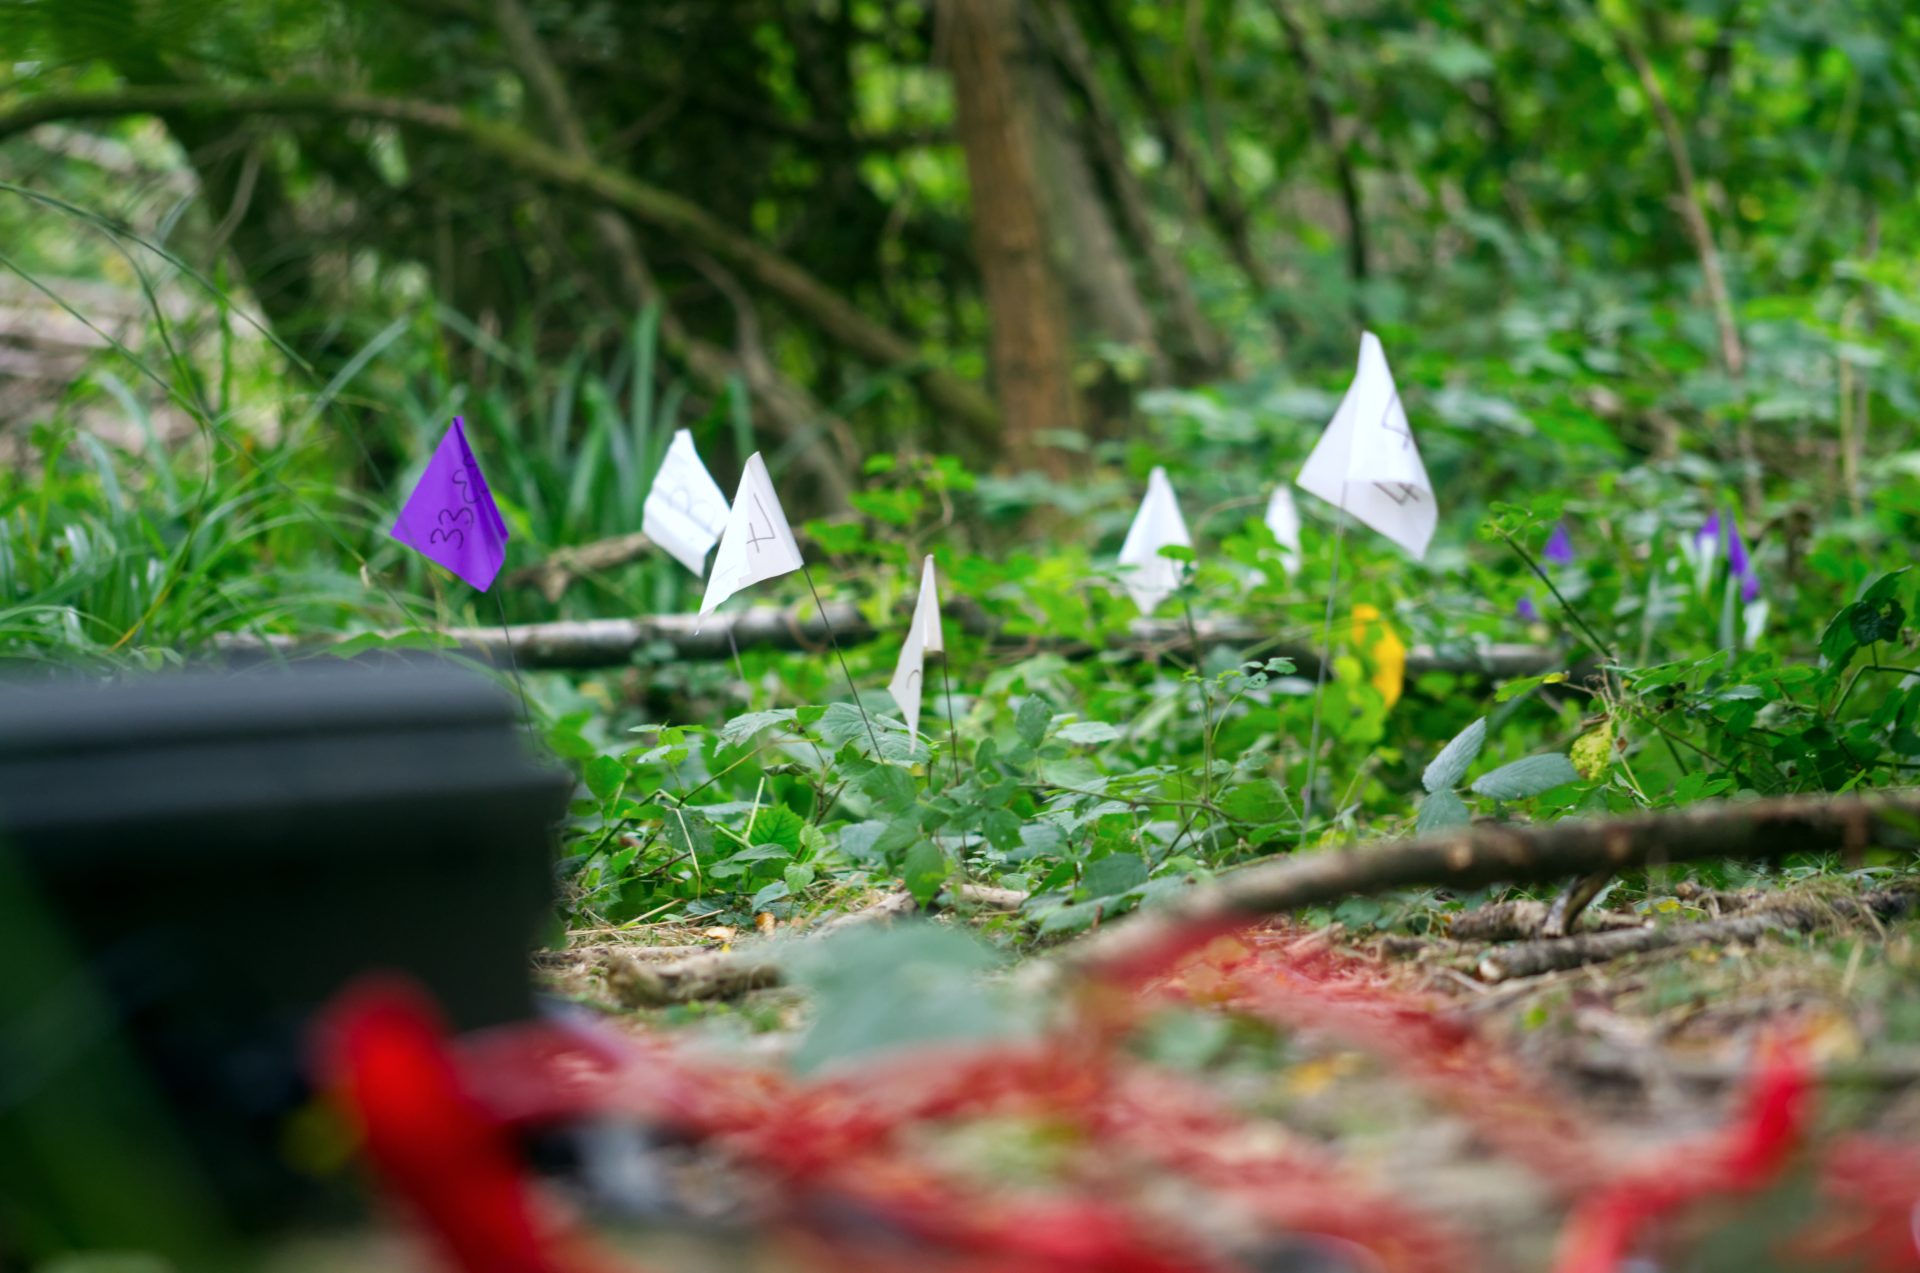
point(923, 638)
point(757, 543)
point(1367, 462)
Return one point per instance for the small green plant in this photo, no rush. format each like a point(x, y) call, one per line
point(1517, 780)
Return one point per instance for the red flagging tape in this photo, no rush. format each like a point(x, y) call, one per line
point(849, 1186)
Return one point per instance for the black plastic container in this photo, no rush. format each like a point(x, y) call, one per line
point(223, 852)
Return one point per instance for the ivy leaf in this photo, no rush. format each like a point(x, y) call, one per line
point(1441, 811)
point(1451, 765)
point(1527, 777)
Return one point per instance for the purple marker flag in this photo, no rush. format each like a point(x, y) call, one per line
point(1559, 549)
point(450, 518)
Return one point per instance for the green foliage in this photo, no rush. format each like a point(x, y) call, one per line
point(195, 480)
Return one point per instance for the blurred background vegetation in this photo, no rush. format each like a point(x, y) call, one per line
point(1633, 261)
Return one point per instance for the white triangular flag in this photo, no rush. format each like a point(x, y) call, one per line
point(1367, 463)
point(1157, 524)
point(757, 543)
point(923, 638)
point(685, 509)
point(1283, 519)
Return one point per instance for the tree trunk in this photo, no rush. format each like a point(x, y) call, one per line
point(1030, 350)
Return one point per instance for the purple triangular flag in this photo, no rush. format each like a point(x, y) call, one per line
point(450, 518)
point(1560, 548)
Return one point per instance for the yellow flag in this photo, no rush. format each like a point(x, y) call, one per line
point(1384, 650)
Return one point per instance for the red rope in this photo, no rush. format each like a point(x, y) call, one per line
point(850, 1188)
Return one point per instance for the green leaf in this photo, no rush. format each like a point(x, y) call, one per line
point(891, 789)
point(740, 730)
point(1451, 765)
point(1877, 621)
point(771, 893)
point(604, 776)
point(1257, 803)
point(925, 871)
point(877, 989)
point(1071, 918)
point(1441, 811)
point(1088, 732)
point(1515, 688)
point(1031, 721)
point(843, 723)
point(1119, 873)
point(1002, 829)
point(1041, 839)
point(1527, 777)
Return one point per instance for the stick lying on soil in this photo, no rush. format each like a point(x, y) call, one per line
point(1485, 853)
point(1523, 918)
point(1556, 954)
point(730, 974)
point(1790, 914)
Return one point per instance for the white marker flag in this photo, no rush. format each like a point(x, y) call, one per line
point(1367, 463)
point(1283, 519)
point(923, 638)
point(1157, 524)
point(757, 544)
point(685, 509)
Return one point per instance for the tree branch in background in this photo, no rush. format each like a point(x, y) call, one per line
point(1689, 203)
point(1320, 111)
point(1192, 343)
point(1222, 208)
point(838, 319)
point(553, 575)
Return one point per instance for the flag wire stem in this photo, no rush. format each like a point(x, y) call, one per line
point(513, 665)
point(953, 730)
point(739, 667)
point(1206, 699)
point(1320, 677)
point(838, 653)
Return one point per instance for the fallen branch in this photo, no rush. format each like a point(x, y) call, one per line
point(1524, 918)
point(729, 974)
point(1557, 954)
point(582, 643)
point(515, 150)
point(554, 574)
point(1485, 853)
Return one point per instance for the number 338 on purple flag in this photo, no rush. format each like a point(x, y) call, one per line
point(450, 517)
